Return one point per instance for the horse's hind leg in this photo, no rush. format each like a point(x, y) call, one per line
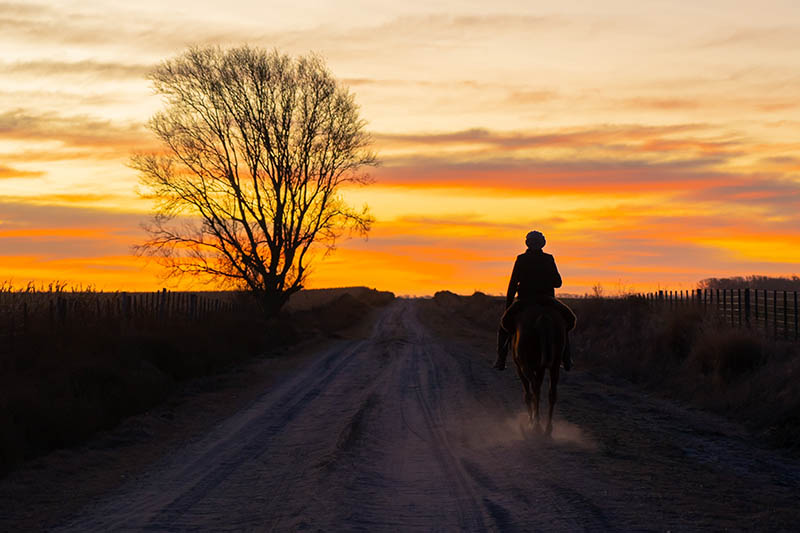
point(552, 397)
point(538, 377)
point(526, 395)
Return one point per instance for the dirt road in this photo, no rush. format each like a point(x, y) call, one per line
point(406, 431)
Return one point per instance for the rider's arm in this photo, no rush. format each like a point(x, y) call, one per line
point(512, 285)
point(556, 276)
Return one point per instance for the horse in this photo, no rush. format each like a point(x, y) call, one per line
point(539, 335)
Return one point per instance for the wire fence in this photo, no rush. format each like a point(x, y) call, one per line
point(771, 311)
point(22, 312)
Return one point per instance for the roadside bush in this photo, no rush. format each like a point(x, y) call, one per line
point(728, 355)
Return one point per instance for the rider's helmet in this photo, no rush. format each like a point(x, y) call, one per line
point(535, 240)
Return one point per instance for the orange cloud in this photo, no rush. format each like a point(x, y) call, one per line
point(73, 131)
point(8, 172)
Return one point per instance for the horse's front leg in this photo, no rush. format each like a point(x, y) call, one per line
point(552, 397)
point(538, 377)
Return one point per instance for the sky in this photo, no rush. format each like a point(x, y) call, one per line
point(654, 143)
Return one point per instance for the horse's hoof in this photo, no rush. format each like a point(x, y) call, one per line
point(549, 431)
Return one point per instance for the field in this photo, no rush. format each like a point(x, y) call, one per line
point(74, 362)
point(404, 425)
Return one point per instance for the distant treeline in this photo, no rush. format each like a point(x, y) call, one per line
point(753, 282)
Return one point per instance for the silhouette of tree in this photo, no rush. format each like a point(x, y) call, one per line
point(257, 146)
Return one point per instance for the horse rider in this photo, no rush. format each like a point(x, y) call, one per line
point(534, 279)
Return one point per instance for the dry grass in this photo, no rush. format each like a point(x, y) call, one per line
point(682, 353)
point(62, 380)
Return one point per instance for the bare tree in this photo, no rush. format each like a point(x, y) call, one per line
point(257, 148)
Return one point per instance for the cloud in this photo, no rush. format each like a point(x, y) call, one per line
point(779, 37)
point(71, 153)
point(151, 31)
point(669, 104)
point(708, 103)
point(531, 96)
point(783, 160)
point(683, 163)
point(8, 172)
point(778, 196)
point(48, 67)
point(75, 130)
point(555, 176)
point(21, 215)
point(73, 26)
point(73, 198)
point(678, 182)
point(62, 247)
point(620, 138)
point(23, 9)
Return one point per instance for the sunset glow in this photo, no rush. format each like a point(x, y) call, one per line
point(653, 143)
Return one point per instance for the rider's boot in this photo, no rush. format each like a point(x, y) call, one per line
point(566, 358)
point(502, 349)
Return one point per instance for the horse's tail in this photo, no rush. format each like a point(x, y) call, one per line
point(545, 331)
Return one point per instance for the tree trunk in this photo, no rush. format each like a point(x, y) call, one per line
point(272, 302)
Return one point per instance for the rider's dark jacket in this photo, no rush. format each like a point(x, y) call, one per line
point(534, 276)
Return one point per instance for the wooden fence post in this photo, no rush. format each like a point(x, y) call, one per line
point(699, 296)
point(747, 307)
point(766, 312)
point(126, 306)
point(775, 313)
point(755, 305)
point(162, 304)
point(724, 303)
point(733, 311)
point(796, 321)
point(193, 306)
point(785, 316)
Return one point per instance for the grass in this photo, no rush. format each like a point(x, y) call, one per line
point(65, 375)
point(682, 353)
